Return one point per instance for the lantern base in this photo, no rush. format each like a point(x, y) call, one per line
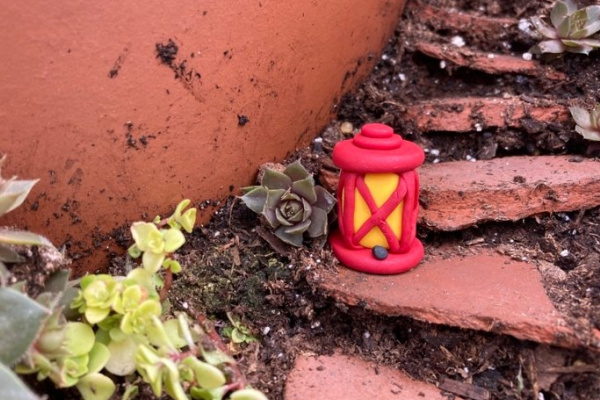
point(364, 261)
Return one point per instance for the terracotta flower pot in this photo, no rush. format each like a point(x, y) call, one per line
point(124, 108)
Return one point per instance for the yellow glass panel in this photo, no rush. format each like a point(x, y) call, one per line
point(381, 187)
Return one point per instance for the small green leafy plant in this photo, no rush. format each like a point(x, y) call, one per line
point(588, 123)
point(291, 203)
point(238, 332)
point(571, 29)
point(75, 330)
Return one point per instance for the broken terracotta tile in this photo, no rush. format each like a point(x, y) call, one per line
point(450, 18)
point(475, 114)
point(455, 195)
point(349, 378)
point(486, 292)
point(491, 63)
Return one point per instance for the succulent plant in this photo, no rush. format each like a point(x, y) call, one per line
point(588, 123)
point(12, 194)
point(571, 29)
point(291, 203)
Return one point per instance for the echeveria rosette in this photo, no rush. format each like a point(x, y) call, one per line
point(571, 29)
point(291, 203)
point(588, 123)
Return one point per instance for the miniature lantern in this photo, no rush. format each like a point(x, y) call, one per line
point(378, 200)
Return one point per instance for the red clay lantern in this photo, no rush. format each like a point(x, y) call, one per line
point(378, 201)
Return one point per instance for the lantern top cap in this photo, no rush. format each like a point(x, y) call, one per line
point(377, 137)
point(377, 149)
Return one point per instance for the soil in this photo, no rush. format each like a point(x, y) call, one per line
point(229, 265)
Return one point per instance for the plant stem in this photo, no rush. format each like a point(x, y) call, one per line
point(167, 285)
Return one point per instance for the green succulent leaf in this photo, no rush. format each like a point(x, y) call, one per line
point(248, 394)
point(296, 171)
point(122, 357)
point(298, 229)
point(188, 220)
point(294, 240)
point(134, 251)
point(131, 391)
point(255, 199)
point(23, 238)
point(318, 226)
point(208, 394)
point(152, 261)
point(13, 193)
point(8, 255)
point(11, 386)
point(325, 200)
point(581, 117)
point(96, 386)
point(561, 10)
point(147, 237)
point(21, 320)
point(99, 356)
point(305, 189)
point(273, 180)
point(79, 338)
point(208, 376)
point(174, 239)
point(588, 134)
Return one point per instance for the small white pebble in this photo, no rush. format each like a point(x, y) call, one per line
point(523, 258)
point(319, 140)
point(434, 152)
point(565, 253)
point(315, 325)
point(217, 234)
point(266, 330)
point(185, 305)
point(366, 335)
point(490, 55)
point(385, 57)
point(527, 56)
point(458, 41)
point(541, 396)
point(525, 26)
point(442, 64)
point(478, 127)
point(346, 128)
point(426, 150)
point(473, 159)
point(402, 77)
point(437, 160)
point(468, 157)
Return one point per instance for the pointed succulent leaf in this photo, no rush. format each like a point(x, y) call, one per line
point(216, 357)
point(581, 117)
point(21, 320)
point(99, 356)
point(11, 386)
point(588, 30)
point(13, 193)
point(96, 386)
point(274, 197)
point(24, 238)
point(560, 11)
point(296, 171)
point(164, 334)
point(122, 357)
point(208, 376)
point(188, 220)
point(248, 394)
point(576, 25)
point(57, 282)
point(255, 199)
point(588, 134)
point(173, 265)
point(147, 237)
point(131, 392)
point(273, 180)
point(548, 46)
point(8, 255)
point(325, 200)
point(174, 239)
point(306, 210)
point(543, 28)
point(180, 207)
point(281, 219)
point(305, 189)
point(318, 226)
point(299, 228)
point(575, 46)
point(294, 240)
